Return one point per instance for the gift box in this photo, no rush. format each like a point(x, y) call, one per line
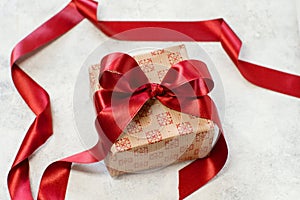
point(157, 136)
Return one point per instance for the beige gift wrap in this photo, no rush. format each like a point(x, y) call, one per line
point(157, 136)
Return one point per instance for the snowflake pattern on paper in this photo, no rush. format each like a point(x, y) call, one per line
point(141, 151)
point(162, 73)
point(154, 136)
point(146, 65)
point(174, 58)
point(172, 143)
point(123, 144)
point(146, 109)
point(125, 161)
point(164, 119)
point(155, 156)
point(201, 136)
point(196, 152)
point(134, 127)
point(184, 128)
point(143, 164)
point(157, 52)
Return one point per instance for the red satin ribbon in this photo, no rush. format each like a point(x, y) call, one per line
point(54, 181)
point(184, 89)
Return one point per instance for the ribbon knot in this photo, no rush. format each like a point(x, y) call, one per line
point(156, 90)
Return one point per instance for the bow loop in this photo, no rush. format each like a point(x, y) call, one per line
point(120, 73)
point(189, 78)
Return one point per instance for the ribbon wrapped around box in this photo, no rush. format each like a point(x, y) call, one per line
point(157, 135)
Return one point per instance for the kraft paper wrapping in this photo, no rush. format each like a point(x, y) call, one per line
point(157, 136)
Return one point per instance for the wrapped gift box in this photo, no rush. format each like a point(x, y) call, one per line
point(157, 136)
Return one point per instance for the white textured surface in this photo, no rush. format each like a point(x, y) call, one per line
point(262, 127)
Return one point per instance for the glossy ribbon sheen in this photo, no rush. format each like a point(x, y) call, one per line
point(55, 178)
point(184, 89)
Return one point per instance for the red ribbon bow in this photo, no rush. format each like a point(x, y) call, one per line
point(184, 88)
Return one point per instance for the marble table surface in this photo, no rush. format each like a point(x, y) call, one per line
point(262, 127)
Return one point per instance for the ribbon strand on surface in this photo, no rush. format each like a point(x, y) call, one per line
point(54, 181)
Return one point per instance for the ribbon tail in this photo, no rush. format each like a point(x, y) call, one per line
point(201, 171)
point(18, 181)
point(39, 131)
point(54, 181)
point(35, 97)
point(56, 176)
point(261, 76)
